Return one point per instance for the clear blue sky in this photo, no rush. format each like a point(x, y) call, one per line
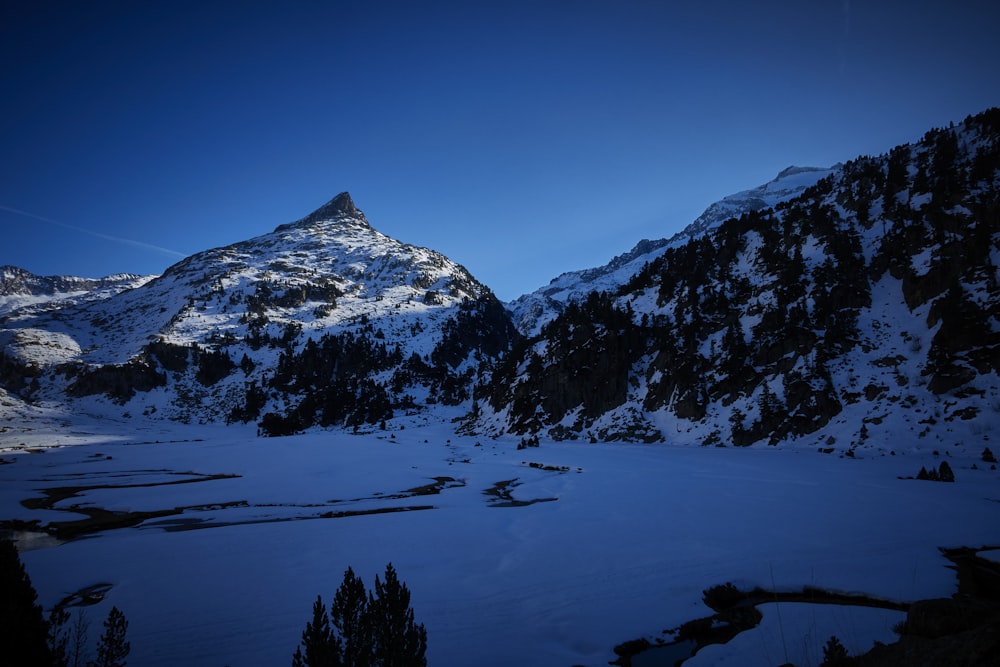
point(522, 139)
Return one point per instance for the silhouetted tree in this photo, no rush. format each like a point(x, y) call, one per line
point(76, 655)
point(398, 640)
point(59, 637)
point(23, 630)
point(350, 623)
point(834, 653)
point(322, 648)
point(112, 649)
point(364, 629)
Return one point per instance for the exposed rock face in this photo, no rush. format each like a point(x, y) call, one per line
point(340, 206)
point(119, 382)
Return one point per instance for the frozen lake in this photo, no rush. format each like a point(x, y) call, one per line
point(240, 535)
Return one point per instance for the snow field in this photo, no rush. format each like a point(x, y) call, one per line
point(634, 535)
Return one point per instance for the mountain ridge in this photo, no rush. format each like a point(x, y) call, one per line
point(329, 277)
point(869, 300)
point(823, 297)
point(533, 310)
point(20, 288)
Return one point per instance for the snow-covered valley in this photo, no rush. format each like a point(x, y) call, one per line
point(558, 480)
point(541, 556)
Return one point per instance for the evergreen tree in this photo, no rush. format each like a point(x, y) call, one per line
point(322, 648)
point(770, 407)
point(363, 629)
point(112, 649)
point(23, 630)
point(349, 613)
point(834, 653)
point(399, 641)
point(736, 361)
point(945, 473)
point(740, 435)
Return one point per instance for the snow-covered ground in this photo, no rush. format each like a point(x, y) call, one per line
point(622, 544)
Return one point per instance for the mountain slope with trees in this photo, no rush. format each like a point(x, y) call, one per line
point(871, 299)
point(534, 310)
point(323, 322)
point(862, 297)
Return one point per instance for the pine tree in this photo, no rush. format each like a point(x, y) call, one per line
point(349, 613)
point(322, 648)
point(112, 649)
point(834, 653)
point(739, 432)
point(770, 407)
point(364, 629)
point(23, 630)
point(945, 473)
point(399, 641)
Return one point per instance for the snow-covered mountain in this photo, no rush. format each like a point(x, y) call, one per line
point(533, 310)
point(860, 316)
point(869, 301)
point(861, 298)
point(20, 288)
point(233, 332)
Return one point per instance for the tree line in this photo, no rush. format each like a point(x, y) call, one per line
point(361, 628)
point(29, 639)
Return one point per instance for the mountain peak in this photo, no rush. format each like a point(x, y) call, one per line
point(341, 206)
point(792, 169)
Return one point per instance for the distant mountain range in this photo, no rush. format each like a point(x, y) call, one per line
point(862, 294)
point(20, 288)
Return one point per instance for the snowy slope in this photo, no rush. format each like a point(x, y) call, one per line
point(327, 274)
point(21, 289)
point(533, 310)
point(334, 250)
point(870, 300)
point(789, 183)
point(621, 546)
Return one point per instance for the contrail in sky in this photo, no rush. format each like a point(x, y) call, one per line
point(106, 237)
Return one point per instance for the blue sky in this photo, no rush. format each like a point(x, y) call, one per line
point(522, 139)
